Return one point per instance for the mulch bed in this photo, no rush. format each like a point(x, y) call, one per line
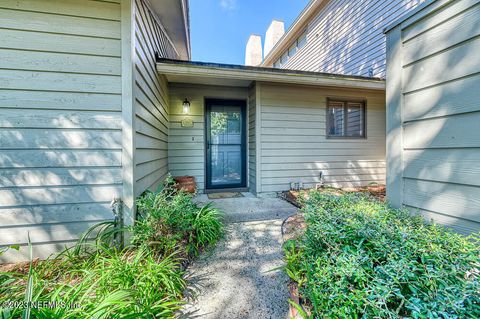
point(294, 226)
point(376, 191)
point(20, 267)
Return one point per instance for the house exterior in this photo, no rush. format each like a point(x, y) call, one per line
point(93, 96)
point(338, 36)
point(286, 136)
point(83, 112)
point(433, 113)
point(99, 101)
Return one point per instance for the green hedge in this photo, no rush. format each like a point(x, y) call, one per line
point(360, 258)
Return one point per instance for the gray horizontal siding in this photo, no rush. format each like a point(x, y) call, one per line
point(346, 37)
point(294, 147)
point(60, 120)
point(440, 147)
point(151, 100)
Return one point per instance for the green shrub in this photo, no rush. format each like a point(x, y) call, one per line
point(169, 219)
point(100, 280)
point(360, 258)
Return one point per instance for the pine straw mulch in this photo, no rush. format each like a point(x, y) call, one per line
point(20, 267)
point(294, 197)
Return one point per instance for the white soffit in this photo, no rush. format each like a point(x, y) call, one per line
point(174, 16)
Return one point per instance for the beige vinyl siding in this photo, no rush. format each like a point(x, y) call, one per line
point(346, 37)
point(186, 145)
point(252, 154)
point(151, 100)
point(435, 55)
point(60, 120)
point(294, 147)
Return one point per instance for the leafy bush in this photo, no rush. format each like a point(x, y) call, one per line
point(169, 219)
point(95, 279)
point(360, 258)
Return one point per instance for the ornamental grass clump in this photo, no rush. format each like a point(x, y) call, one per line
point(169, 219)
point(94, 279)
point(359, 258)
point(97, 279)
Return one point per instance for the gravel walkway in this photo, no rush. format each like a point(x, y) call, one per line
point(238, 279)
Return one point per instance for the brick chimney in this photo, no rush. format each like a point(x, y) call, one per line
point(253, 52)
point(274, 32)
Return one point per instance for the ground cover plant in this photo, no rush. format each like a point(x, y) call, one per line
point(359, 258)
point(99, 279)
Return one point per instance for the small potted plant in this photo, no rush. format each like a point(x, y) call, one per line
point(187, 183)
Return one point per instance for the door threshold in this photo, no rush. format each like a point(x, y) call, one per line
point(227, 190)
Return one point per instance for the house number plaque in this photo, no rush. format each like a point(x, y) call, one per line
point(187, 122)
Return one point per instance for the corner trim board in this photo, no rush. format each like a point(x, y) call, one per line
point(394, 101)
point(128, 129)
point(258, 137)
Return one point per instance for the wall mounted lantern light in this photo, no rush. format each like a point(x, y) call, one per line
point(186, 106)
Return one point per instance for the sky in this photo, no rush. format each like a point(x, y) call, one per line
point(220, 29)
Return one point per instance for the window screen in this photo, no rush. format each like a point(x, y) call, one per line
point(345, 119)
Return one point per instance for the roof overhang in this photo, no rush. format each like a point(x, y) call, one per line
point(238, 75)
point(174, 17)
point(295, 30)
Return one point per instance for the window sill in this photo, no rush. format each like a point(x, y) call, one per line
point(346, 137)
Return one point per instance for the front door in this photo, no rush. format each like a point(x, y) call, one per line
point(225, 143)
